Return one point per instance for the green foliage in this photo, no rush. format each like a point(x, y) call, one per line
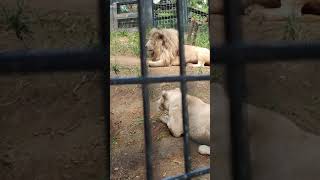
point(17, 20)
point(116, 68)
point(199, 4)
point(202, 39)
point(292, 29)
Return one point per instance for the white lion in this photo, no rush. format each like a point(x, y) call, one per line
point(163, 45)
point(170, 110)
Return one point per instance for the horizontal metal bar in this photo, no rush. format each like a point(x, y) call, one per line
point(159, 79)
point(82, 59)
point(251, 53)
point(127, 2)
point(52, 60)
point(197, 172)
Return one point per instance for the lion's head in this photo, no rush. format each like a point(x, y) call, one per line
point(163, 42)
point(168, 99)
point(169, 110)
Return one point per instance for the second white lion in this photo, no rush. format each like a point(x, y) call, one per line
point(170, 113)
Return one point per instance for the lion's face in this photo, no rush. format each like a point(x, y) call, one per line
point(155, 43)
point(168, 97)
point(163, 104)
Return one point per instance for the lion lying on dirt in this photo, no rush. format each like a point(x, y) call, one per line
point(163, 45)
point(279, 149)
point(170, 110)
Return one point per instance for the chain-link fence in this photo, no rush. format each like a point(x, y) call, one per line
point(124, 13)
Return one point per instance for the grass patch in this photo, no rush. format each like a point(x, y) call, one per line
point(292, 29)
point(125, 43)
point(16, 20)
point(116, 68)
point(203, 37)
point(114, 141)
point(200, 70)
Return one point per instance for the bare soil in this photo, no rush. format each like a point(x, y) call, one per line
point(127, 125)
point(51, 126)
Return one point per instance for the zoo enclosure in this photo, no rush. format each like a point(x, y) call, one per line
point(234, 54)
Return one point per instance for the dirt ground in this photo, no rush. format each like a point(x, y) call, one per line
point(51, 126)
point(127, 125)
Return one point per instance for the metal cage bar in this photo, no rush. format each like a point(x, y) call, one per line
point(183, 85)
point(145, 90)
point(104, 33)
point(159, 79)
point(82, 59)
point(51, 60)
point(194, 173)
point(265, 53)
point(235, 74)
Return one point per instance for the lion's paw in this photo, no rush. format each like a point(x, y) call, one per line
point(204, 150)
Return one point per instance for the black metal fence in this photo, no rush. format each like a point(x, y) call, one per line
point(235, 54)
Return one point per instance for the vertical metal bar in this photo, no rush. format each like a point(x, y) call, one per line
point(145, 90)
point(148, 13)
point(235, 84)
point(232, 21)
point(239, 137)
point(187, 160)
point(184, 13)
point(212, 58)
point(104, 40)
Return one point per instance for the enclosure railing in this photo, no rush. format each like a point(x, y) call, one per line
point(235, 54)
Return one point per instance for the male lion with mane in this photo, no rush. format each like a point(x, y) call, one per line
point(163, 45)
